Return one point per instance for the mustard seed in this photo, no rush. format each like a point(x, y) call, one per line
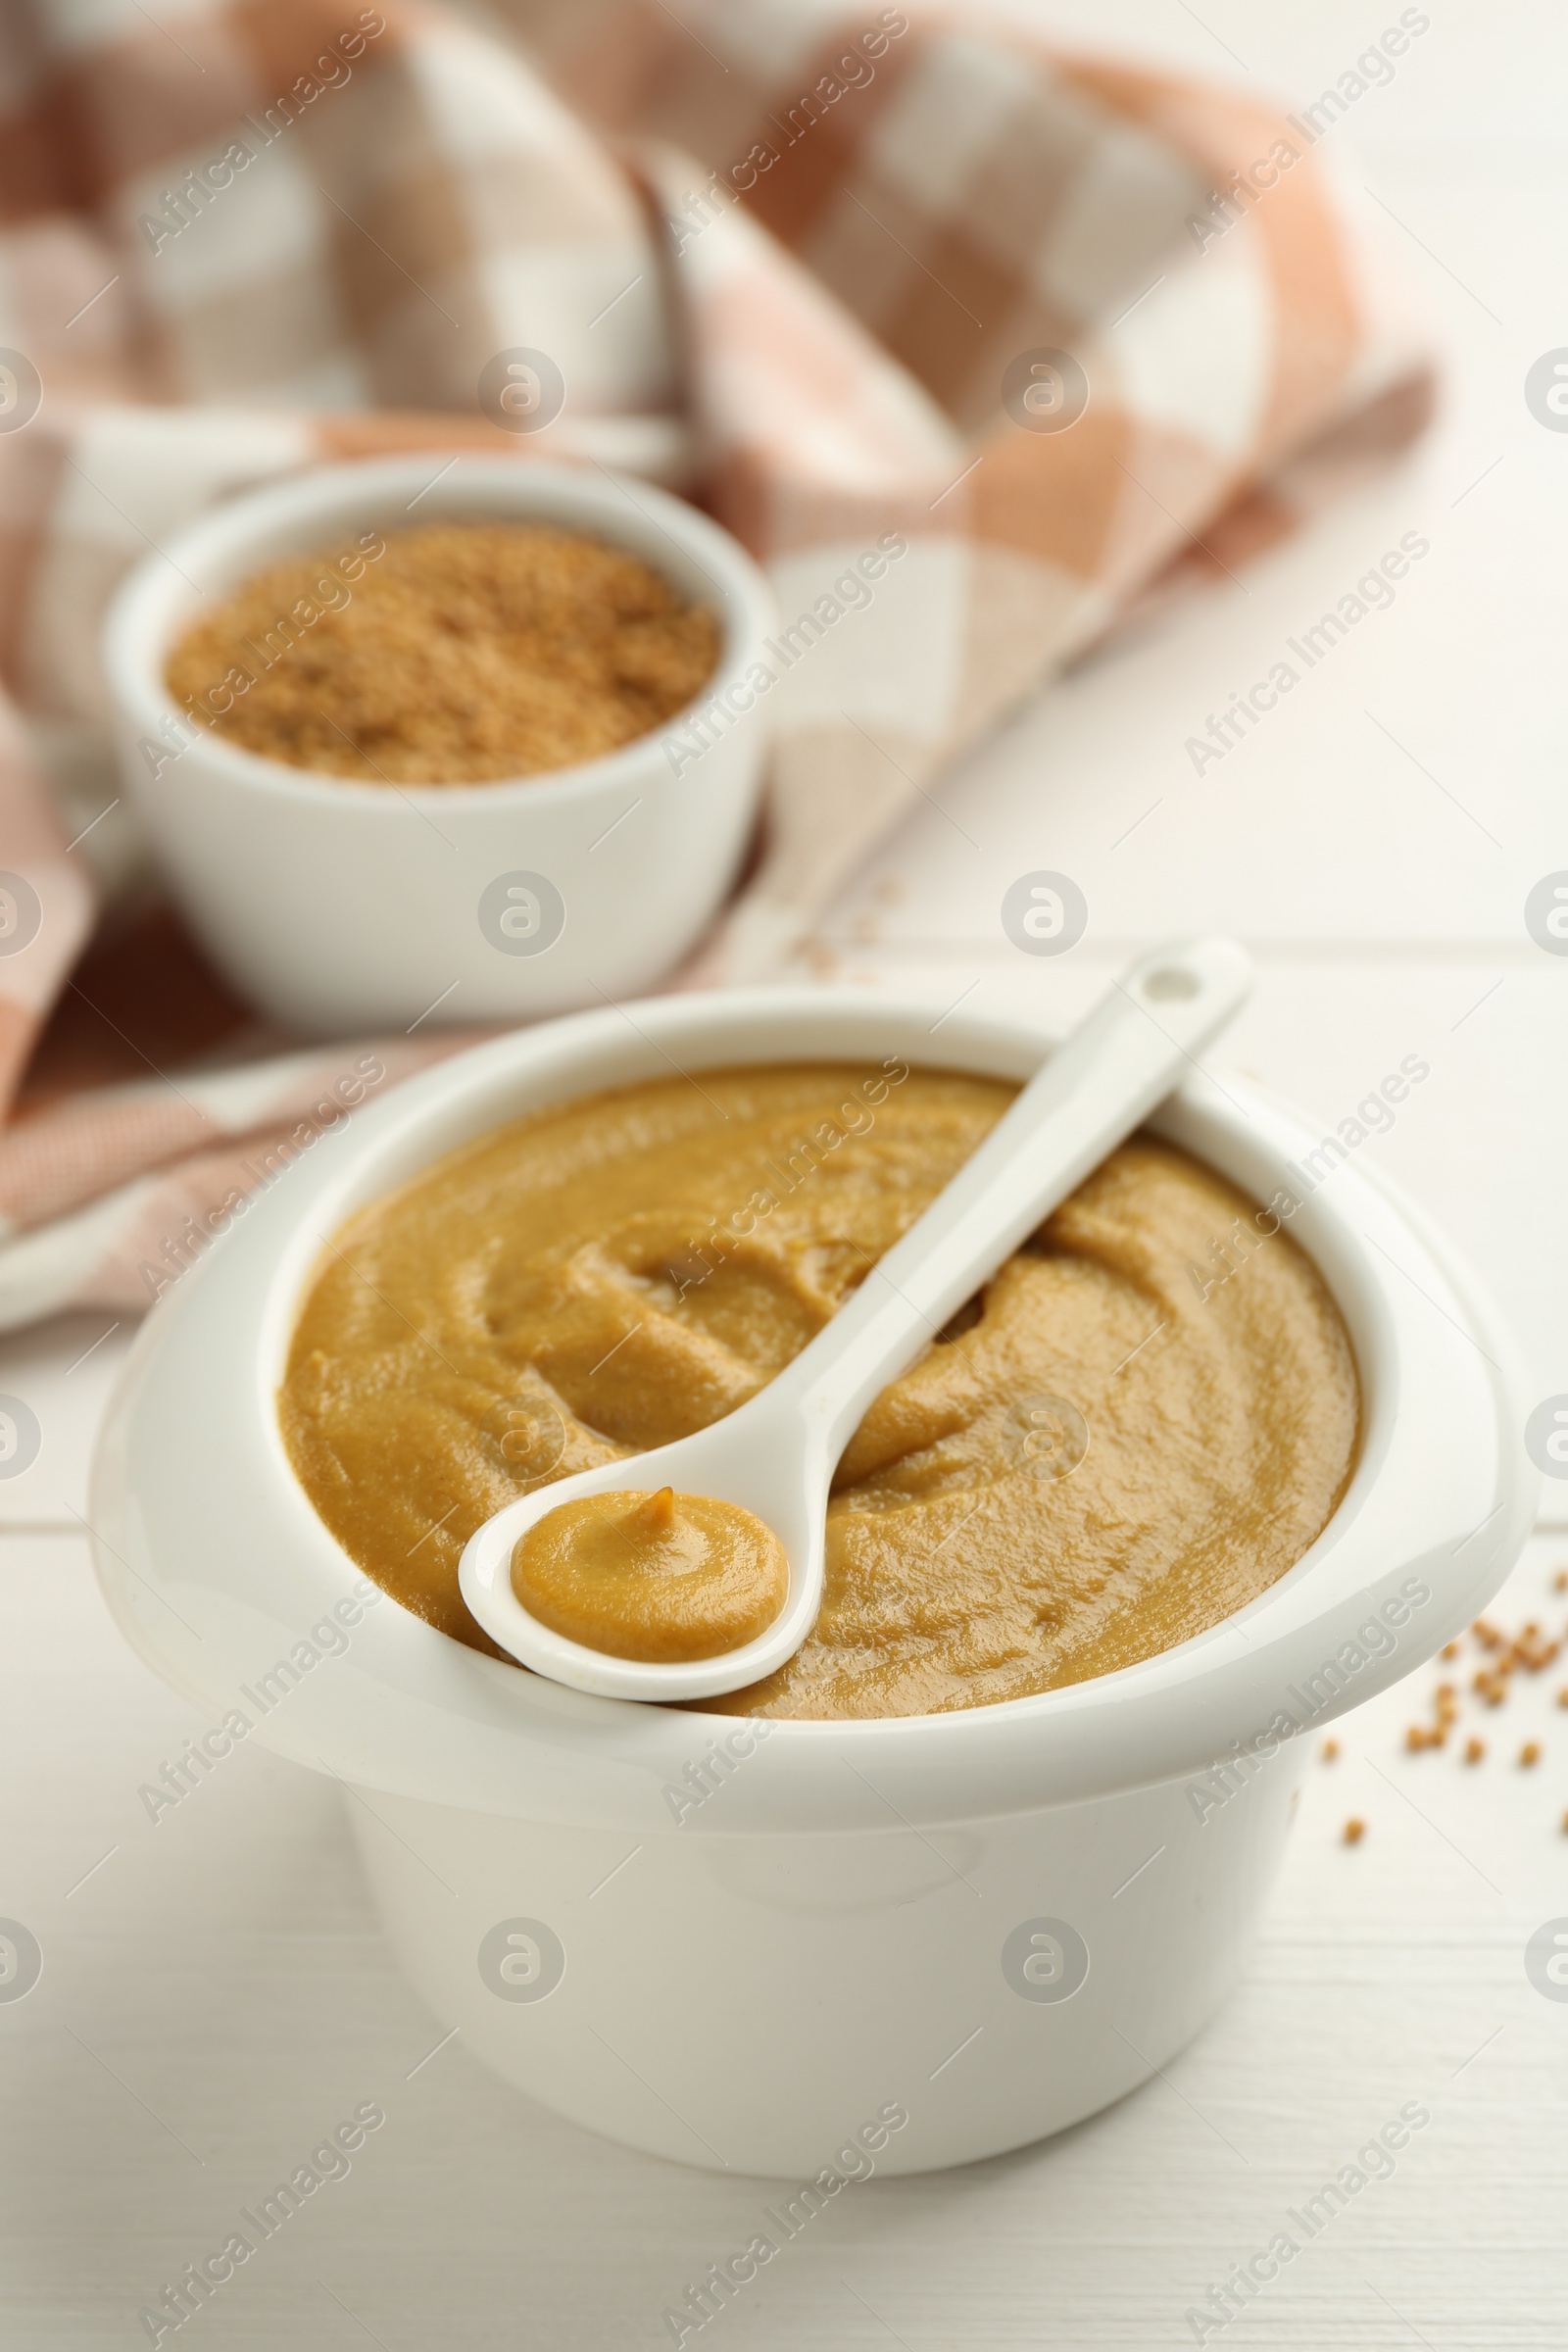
point(451, 653)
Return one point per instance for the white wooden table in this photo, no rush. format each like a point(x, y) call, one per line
point(216, 1994)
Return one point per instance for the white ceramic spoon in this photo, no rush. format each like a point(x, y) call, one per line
point(775, 1454)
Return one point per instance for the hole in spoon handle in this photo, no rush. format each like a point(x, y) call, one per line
point(1193, 982)
point(1171, 983)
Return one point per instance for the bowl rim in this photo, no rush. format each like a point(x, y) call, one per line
point(149, 605)
point(418, 1713)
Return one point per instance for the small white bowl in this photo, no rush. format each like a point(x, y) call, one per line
point(990, 1922)
point(337, 905)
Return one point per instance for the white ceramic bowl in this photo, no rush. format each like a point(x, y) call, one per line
point(993, 1922)
point(336, 906)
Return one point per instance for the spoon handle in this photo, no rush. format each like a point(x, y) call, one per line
point(1135, 1048)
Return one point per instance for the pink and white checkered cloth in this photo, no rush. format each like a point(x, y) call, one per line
point(806, 263)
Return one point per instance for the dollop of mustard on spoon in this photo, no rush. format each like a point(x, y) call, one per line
point(652, 1574)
